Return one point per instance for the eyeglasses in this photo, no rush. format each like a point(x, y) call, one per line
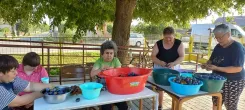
point(220, 38)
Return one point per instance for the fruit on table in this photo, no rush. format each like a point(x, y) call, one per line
point(78, 100)
point(131, 74)
point(186, 80)
point(210, 76)
point(56, 91)
point(75, 90)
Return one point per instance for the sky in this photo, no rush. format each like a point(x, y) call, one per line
point(214, 16)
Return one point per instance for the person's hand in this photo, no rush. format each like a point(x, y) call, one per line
point(171, 65)
point(50, 86)
point(130, 65)
point(29, 105)
point(204, 66)
point(211, 67)
point(163, 64)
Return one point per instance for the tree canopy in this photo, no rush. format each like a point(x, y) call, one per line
point(84, 15)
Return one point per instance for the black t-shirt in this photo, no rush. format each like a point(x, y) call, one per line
point(232, 55)
point(168, 55)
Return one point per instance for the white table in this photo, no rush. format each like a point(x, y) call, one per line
point(178, 100)
point(104, 98)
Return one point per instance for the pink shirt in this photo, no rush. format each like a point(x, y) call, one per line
point(36, 75)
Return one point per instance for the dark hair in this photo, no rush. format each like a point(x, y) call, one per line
point(32, 59)
point(108, 45)
point(168, 30)
point(7, 63)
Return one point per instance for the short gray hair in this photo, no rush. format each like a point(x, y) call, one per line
point(222, 28)
point(108, 45)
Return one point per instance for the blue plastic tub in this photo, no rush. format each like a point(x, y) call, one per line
point(91, 90)
point(186, 74)
point(184, 89)
point(185, 71)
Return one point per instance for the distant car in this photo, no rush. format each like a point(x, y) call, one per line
point(40, 39)
point(136, 39)
point(201, 33)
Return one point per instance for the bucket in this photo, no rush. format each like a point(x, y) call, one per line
point(127, 84)
point(91, 90)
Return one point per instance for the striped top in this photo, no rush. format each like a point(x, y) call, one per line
point(7, 95)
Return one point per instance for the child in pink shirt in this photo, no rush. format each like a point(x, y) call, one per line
point(31, 70)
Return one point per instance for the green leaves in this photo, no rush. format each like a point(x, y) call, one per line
point(84, 15)
point(180, 11)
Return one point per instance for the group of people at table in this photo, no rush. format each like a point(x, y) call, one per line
point(20, 84)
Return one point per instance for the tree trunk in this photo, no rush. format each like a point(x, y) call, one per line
point(121, 25)
point(12, 31)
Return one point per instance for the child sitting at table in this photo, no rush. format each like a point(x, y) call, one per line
point(30, 70)
point(107, 61)
point(11, 85)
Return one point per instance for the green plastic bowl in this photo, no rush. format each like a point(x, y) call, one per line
point(161, 76)
point(211, 85)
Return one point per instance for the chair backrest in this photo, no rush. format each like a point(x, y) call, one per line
point(88, 69)
point(72, 71)
point(76, 72)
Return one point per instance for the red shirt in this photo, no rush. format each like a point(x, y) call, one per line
point(35, 76)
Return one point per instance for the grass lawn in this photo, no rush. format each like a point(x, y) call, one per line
point(66, 58)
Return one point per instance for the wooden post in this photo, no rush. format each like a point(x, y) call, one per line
point(209, 42)
point(141, 104)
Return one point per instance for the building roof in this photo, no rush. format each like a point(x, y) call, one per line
point(239, 20)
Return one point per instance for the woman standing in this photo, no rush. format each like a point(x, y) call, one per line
point(167, 53)
point(227, 60)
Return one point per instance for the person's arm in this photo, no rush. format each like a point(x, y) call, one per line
point(155, 60)
point(10, 99)
point(95, 71)
point(117, 63)
point(36, 87)
point(205, 65)
point(181, 52)
point(237, 62)
point(229, 69)
point(96, 68)
point(24, 99)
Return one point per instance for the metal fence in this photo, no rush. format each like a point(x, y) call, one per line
point(58, 54)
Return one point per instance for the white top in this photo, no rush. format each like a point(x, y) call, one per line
point(156, 66)
point(104, 98)
point(168, 88)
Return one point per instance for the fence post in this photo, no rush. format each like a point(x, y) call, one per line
point(83, 56)
point(209, 42)
point(130, 54)
point(140, 59)
point(84, 68)
point(190, 47)
point(48, 66)
point(42, 54)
